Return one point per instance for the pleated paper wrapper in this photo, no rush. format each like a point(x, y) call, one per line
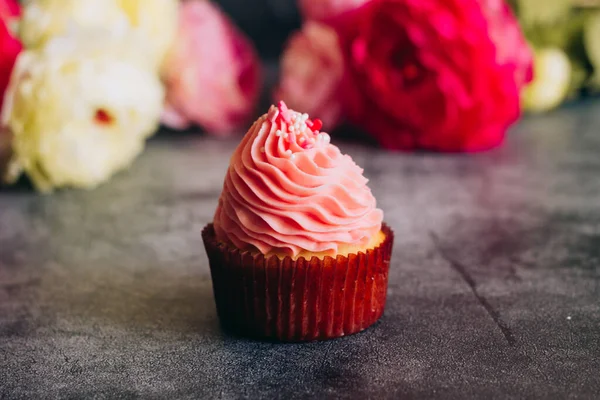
point(298, 300)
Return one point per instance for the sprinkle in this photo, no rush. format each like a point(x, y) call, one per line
point(319, 136)
point(316, 125)
point(278, 133)
point(301, 139)
point(285, 135)
point(293, 156)
point(284, 111)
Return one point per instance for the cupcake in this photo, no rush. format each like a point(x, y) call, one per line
point(297, 249)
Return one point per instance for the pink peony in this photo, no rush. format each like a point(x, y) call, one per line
point(511, 46)
point(10, 47)
point(323, 10)
point(440, 75)
point(311, 73)
point(212, 72)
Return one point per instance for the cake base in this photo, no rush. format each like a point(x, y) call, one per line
point(298, 300)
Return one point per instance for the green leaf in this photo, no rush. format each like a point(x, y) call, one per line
point(579, 78)
point(591, 39)
point(544, 12)
point(565, 34)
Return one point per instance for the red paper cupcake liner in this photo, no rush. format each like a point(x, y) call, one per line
point(298, 300)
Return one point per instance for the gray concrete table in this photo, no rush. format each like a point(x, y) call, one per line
point(494, 290)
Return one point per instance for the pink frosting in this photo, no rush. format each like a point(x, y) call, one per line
point(289, 190)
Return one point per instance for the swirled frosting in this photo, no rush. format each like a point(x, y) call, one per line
point(288, 191)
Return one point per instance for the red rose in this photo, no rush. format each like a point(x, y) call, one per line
point(323, 10)
point(10, 47)
point(440, 74)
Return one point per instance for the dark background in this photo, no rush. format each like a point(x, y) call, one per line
point(267, 22)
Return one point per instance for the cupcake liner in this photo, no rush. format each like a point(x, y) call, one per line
point(298, 300)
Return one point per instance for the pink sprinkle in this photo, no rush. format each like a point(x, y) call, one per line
point(284, 111)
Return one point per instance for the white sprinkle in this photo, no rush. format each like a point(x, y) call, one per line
point(319, 137)
point(305, 116)
point(285, 135)
point(327, 138)
point(568, 318)
point(288, 152)
point(262, 149)
point(301, 139)
point(293, 156)
point(278, 133)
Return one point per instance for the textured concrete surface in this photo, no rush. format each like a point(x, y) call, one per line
point(494, 292)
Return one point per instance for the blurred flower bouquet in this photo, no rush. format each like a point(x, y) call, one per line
point(447, 75)
point(441, 75)
point(85, 82)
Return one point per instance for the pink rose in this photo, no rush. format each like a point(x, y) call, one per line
point(10, 47)
point(322, 10)
point(311, 72)
point(441, 75)
point(212, 73)
point(511, 47)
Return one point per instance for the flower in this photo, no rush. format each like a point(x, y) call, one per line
point(10, 11)
point(79, 110)
point(211, 73)
point(311, 72)
point(551, 84)
point(10, 47)
point(440, 75)
point(156, 20)
point(512, 49)
point(44, 19)
point(322, 10)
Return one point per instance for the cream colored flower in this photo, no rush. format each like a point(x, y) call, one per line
point(44, 19)
point(156, 20)
point(79, 110)
point(551, 81)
